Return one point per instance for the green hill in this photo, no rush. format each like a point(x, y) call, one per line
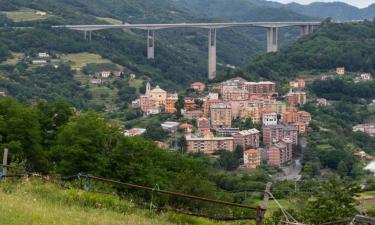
point(334, 45)
point(181, 55)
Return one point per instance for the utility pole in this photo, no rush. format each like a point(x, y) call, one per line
point(262, 209)
point(5, 162)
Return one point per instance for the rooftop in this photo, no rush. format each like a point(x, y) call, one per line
point(251, 151)
point(221, 106)
point(251, 131)
point(158, 90)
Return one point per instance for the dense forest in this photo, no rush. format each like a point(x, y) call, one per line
point(333, 45)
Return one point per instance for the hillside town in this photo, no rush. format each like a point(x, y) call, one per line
point(212, 115)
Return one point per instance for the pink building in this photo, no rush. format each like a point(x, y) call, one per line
point(276, 133)
point(368, 128)
point(264, 88)
point(247, 138)
point(280, 152)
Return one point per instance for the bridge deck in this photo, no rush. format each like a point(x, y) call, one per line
point(188, 25)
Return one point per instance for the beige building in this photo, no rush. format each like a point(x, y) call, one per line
point(221, 115)
point(340, 71)
point(296, 98)
point(208, 143)
point(253, 113)
point(154, 100)
point(247, 138)
point(158, 95)
point(277, 106)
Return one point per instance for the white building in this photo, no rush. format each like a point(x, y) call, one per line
point(371, 167)
point(39, 61)
point(135, 132)
point(136, 104)
point(170, 126)
point(105, 73)
point(43, 55)
point(269, 118)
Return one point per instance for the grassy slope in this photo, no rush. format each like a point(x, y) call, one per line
point(24, 14)
point(37, 202)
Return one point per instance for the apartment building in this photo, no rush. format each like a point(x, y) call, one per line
point(221, 115)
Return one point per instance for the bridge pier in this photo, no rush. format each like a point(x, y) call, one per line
point(85, 34)
point(212, 54)
point(150, 44)
point(307, 29)
point(272, 39)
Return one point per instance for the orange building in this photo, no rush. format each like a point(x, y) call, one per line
point(301, 127)
point(289, 117)
point(251, 158)
point(297, 118)
point(170, 103)
point(304, 117)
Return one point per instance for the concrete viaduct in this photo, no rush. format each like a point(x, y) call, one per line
point(272, 34)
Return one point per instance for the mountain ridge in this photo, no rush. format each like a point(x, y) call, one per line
point(336, 10)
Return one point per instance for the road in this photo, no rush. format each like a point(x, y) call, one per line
point(293, 171)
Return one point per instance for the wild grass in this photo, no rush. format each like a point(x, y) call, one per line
point(13, 59)
point(37, 202)
point(110, 20)
point(24, 14)
point(80, 60)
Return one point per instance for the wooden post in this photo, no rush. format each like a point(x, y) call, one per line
point(263, 208)
point(364, 219)
point(5, 161)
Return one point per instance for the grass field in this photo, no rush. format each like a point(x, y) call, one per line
point(36, 202)
point(24, 14)
point(14, 59)
point(80, 60)
point(110, 20)
point(137, 83)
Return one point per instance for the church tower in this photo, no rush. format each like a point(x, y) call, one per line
point(148, 89)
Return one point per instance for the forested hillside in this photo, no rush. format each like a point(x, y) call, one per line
point(181, 55)
point(332, 45)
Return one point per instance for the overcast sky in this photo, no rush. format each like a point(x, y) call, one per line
point(358, 3)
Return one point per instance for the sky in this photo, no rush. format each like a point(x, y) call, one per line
point(358, 3)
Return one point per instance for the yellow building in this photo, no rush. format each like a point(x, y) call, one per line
point(253, 113)
point(170, 104)
point(209, 144)
point(221, 115)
